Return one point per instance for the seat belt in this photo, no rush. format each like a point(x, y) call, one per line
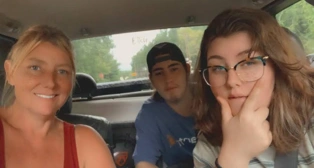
point(287, 160)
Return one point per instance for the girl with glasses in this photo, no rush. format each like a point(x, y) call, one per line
point(254, 95)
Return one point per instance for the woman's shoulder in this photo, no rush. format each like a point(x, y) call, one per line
point(204, 152)
point(306, 150)
point(203, 145)
point(91, 147)
point(306, 147)
point(310, 130)
point(82, 133)
point(87, 133)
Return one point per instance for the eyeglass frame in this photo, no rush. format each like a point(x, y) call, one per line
point(262, 58)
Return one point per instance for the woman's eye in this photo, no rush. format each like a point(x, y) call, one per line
point(218, 68)
point(248, 63)
point(251, 62)
point(62, 71)
point(35, 67)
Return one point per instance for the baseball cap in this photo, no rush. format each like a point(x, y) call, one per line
point(170, 52)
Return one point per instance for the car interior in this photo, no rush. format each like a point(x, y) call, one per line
point(111, 106)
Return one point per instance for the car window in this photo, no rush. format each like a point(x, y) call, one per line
point(6, 44)
point(299, 18)
point(123, 56)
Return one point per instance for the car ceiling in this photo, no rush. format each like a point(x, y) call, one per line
point(82, 18)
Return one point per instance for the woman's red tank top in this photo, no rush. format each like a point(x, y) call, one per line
point(70, 153)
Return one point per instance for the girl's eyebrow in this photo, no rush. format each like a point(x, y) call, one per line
point(215, 57)
point(241, 53)
point(244, 52)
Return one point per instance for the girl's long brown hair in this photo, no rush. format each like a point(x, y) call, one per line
point(292, 104)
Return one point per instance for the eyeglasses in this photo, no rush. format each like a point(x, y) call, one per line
point(248, 70)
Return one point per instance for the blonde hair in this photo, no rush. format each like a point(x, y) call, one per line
point(292, 104)
point(27, 42)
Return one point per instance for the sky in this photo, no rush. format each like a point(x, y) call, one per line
point(128, 44)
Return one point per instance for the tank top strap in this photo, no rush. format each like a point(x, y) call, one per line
point(2, 157)
point(70, 152)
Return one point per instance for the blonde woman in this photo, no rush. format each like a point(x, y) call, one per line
point(40, 74)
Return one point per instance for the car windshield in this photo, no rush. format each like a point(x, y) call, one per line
point(122, 57)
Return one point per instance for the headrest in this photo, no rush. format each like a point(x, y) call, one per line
point(294, 37)
point(67, 107)
point(84, 86)
point(310, 57)
point(6, 44)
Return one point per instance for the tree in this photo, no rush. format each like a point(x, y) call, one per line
point(299, 18)
point(138, 64)
point(92, 56)
point(187, 38)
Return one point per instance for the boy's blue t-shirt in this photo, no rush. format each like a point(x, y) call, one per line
point(160, 131)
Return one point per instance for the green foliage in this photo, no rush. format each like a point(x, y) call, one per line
point(299, 18)
point(187, 38)
point(92, 56)
point(139, 60)
point(125, 75)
